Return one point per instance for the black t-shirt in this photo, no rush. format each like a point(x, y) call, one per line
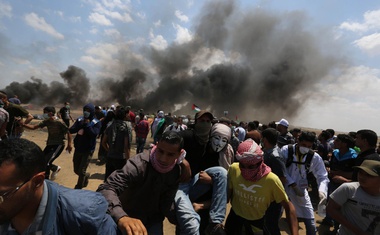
point(65, 113)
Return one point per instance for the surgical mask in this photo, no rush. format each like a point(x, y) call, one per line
point(218, 143)
point(175, 124)
point(86, 114)
point(67, 106)
point(45, 116)
point(304, 150)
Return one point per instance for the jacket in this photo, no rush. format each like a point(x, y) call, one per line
point(70, 211)
point(139, 191)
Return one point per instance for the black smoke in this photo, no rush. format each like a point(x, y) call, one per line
point(75, 89)
point(254, 63)
point(274, 62)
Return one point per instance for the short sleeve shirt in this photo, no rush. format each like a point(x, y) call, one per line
point(358, 207)
point(56, 131)
point(250, 200)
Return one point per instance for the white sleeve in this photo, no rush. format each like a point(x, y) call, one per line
point(284, 154)
point(317, 167)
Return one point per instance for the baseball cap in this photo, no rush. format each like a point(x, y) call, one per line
point(283, 122)
point(371, 167)
point(203, 112)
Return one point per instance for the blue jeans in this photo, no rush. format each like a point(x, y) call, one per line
point(310, 226)
point(189, 220)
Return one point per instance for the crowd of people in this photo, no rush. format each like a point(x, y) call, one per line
point(191, 171)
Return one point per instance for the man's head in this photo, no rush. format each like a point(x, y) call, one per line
point(89, 111)
point(369, 176)
point(22, 170)
point(160, 114)
point(4, 98)
point(295, 133)
point(220, 136)
point(282, 126)
point(331, 132)
point(225, 121)
point(269, 137)
point(366, 139)
point(323, 136)
point(49, 111)
point(120, 113)
point(251, 126)
point(344, 141)
point(202, 126)
point(168, 149)
point(306, 141)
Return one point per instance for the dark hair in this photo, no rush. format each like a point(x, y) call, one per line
point(225, 120)
point(172, 137)
point(352, 134)
point(271, 135)
point(325, 135)
point(49, 109)
point(3, 94)
point(331, 132)
point(26, 155)
point(347, 140)
point(120, 113)
point(307, 136)
point(368, 135)
point(296, 130)
point(272, 124)
point(252, 126)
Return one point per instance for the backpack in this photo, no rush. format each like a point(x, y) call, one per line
point(307, 162)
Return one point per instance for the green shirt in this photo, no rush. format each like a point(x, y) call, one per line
point(56, 131)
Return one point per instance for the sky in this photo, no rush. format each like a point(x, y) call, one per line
point(335, 44)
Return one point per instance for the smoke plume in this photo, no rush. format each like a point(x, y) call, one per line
point(267, 64)
point(253, 63)
point(76, 88)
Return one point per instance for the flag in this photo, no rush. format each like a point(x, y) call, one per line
point(195, 108)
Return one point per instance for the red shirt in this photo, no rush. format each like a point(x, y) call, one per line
point(142, 129)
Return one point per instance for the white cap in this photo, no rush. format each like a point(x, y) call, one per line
point(283, 122)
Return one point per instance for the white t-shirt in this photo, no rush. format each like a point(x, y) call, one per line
point(358, 207)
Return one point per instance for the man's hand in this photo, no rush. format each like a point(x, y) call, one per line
point(204, 178)
point(131, 226)
point(185, 172)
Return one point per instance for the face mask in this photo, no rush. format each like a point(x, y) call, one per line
point(202, 131)
point(67, 106)
point(175, 124)
point(303, 150)
point(86, 114)
point(218, 143)
point(45, 116)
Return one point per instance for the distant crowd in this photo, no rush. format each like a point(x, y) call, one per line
point(192, 170)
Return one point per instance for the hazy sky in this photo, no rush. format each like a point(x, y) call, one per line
point(105, 38)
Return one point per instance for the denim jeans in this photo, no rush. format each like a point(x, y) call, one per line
point(189, 220)
point(310, 226)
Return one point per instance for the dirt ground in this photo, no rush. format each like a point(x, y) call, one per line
point(67, 177)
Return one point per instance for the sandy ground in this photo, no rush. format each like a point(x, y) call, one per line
point(67, 177)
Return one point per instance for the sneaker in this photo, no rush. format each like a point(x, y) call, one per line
point(215, 229)
point(54, 174)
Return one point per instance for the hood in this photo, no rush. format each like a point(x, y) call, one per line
point(91, 107)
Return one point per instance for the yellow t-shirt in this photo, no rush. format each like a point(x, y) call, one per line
point(250, 199)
